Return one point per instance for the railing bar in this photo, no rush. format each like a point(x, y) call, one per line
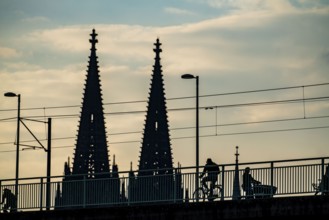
point(292, 178)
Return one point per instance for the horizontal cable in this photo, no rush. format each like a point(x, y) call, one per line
point(201, 136)
point(177, 98)
point(190, 108)
point(192, 127)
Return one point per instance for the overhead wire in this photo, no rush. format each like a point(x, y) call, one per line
point(188, 137)
point(313, 99)
point(177, 98)
point(206, 126)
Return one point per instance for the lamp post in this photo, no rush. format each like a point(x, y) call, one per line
point(11, 94)
point(190, 76)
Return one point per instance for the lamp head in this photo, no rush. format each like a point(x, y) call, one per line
point(10, 94)
point(187, 76)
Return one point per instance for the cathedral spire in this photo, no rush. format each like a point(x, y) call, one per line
point(91, 153)
point(156, 148)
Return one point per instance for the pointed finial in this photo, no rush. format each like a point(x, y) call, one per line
point(131, 166)
point(93, 39)
point(113, 159)
point(237, 154)
point(157, 47)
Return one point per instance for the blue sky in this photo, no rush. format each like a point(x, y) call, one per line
point(233, 46)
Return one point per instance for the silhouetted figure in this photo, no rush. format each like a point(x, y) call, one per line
point(324, 184)
point(11, 203)
point(248, 183)
point(212, 170)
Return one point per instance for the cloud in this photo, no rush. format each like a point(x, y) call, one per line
point(177, 11)
point(234, 52)
point(65, 39)
point(240, 6)
point(6, 52)
point(36, 19)
point(255, 44)
point(20, 66)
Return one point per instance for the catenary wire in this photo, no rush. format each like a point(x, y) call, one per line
point(186, 109)
point(191, 127)
point(177, 98)
point(201, 136)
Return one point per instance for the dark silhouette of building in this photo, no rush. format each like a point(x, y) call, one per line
point(90, 182)
point(91, 152)
point(156, 148)
point(156, 178)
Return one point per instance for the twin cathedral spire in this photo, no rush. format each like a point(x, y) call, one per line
point(92, 151)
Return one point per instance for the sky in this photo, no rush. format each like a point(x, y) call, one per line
point(274, 53)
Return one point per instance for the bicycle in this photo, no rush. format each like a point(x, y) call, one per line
point(319, 188)
point(201, 193)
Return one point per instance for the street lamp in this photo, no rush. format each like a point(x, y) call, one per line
point(11, 94)
point(190, 76)
point(48, 150)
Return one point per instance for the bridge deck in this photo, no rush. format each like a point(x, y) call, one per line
point(273, 208)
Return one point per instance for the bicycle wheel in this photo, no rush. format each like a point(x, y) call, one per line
point(217, 192)
point(199, 195)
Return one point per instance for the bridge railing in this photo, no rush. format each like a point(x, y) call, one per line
point(297, 177)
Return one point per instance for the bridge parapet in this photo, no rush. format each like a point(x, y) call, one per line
point(297, 177)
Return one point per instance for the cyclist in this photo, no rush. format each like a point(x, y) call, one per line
point(248, 182)
point(212, 170)
point(10, 199)
point(324, 184)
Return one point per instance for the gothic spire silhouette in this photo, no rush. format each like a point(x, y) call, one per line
point(156, 148)
point(91, 152)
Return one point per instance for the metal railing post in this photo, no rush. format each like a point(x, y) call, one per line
point(223, 183)
point(272, 176)
point(0, 195)
point(322, 175)
point(41, 193)
point(129, 191)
